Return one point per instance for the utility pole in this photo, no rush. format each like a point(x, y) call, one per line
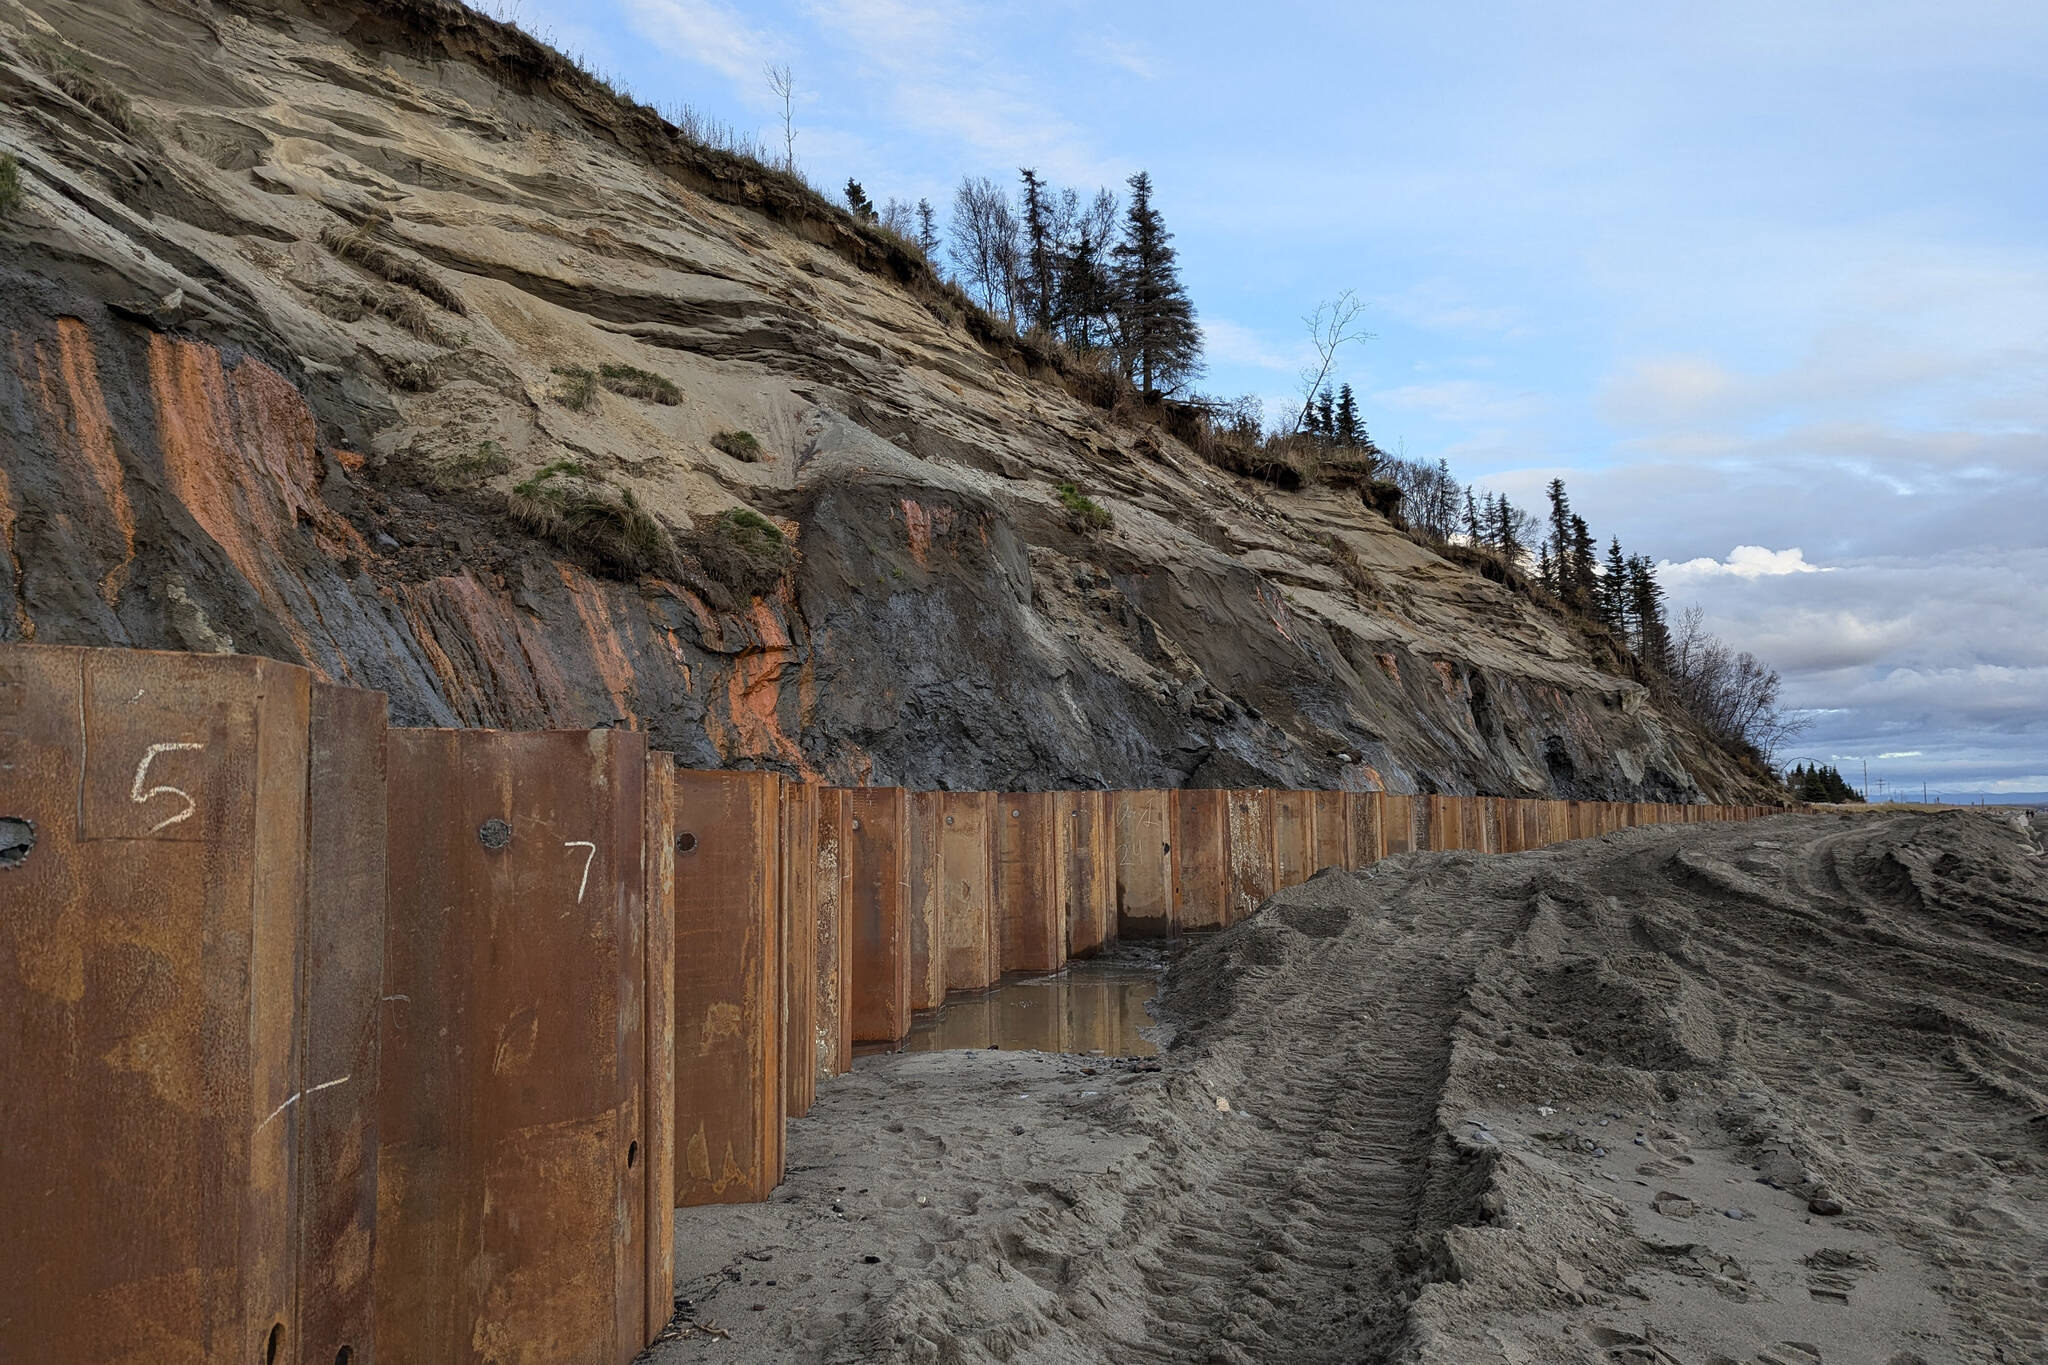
point(1866, 779)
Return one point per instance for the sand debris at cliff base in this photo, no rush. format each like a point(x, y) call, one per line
point(1591, 1103)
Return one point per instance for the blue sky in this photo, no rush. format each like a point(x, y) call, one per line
point(1747, 275)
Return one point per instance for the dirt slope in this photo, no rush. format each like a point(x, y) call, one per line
point(285, 310)
point(1774, 1093)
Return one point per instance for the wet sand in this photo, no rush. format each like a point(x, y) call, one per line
point(1773, 1093)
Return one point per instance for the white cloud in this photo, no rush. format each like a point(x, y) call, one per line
point(1744, 561)
point(1464, 400)
point(708, 33)
point(1903, 753)
point(1228, 343)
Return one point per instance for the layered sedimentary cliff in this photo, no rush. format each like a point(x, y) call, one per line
point(297, 293)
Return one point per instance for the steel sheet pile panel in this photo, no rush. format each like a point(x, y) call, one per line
point(925, 905)
point(967, 891)
point(1294, 837)
point(966, 858)
point(799, 826)
point(834, 942)
point(1397, 824)
point(729, 1082)
point(1253, 859)
point(1201, 894)
point(162, 1186)
point(1472, 823)
point(877, 884)
point(658, 1093)
point(1087, 872)
point(343, 981)
point(1331, 812)
point(514, 1056)
point(1365, 811)
point(1438, 821)
point(1030, 925)
point(1144, 841)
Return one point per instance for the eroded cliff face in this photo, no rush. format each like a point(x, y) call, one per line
point(281, 335)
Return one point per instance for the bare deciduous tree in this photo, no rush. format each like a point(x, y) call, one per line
point(984, 246)
point(1331, 327)
point(1734, 695)
point(783, 83)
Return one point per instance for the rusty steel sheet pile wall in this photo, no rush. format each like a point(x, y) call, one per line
point(1087, 870)
point(925, 902)
point(1294, 837)
point(1253, 861)
point(799, 825)
point(833, 942)
point(167, 1182)
point(1202, 860)
point(875, 876)
point(1143, 839)
point(658, 994)
point(1029, 925)
point(1335, 835)
point(513, 1065)
point(728, 971)
point(1397, 824)
point(967, 907)
point(1367, 812)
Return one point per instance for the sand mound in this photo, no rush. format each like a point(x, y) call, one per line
point(1758, 1093)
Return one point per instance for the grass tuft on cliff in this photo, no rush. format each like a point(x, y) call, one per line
point(77, 78)
point(741, 445)
point(1083, 512)
point(360, 246)
point(10, 183)
point(572, 506)
point(578, 391)
point(466, 469)
point(630, 381)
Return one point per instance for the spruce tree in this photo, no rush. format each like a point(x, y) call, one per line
point(1510, 542)
point(1162, 345)
point(1349, 433)
point(1585, 580)
point(1087, 294)
point(1473, 533)
point(1326, 416)
point(857, 200)
point(1614, 588)
point(927, 230)
point(1040, 282)
point(1545, 574)
point(1560, 539)
point(1646, 605)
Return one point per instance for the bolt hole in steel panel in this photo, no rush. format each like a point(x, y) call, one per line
point(17, 839)
point(513, 1051)
point(160, 1154)
point(729, 1092)
point(1143, 834)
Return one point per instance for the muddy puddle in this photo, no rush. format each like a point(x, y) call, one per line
point(1095, 1005)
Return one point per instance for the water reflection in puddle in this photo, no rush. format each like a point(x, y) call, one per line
point(1093, 1006)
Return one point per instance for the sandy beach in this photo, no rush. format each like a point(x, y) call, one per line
point(1771, 1092)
